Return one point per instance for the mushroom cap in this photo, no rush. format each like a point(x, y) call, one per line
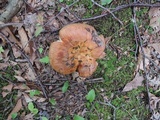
point(58, 55)
point(87, 67)
point(78, 49)
point(74, 33)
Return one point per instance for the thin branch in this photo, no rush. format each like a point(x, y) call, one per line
point(12, 8)
point(135, 35)
point(96, 80)
point(60, 12)
point(119, 8)
point(2, 25)
point(108, 11)
point(143, 57)
point(152, 62)
point(114, 108)
point(26, 57)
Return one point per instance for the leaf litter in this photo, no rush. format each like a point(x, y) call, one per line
point(23, 52)
point(72, 101)
point(151, 63)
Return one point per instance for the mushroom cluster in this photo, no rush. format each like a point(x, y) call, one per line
point(77, 50)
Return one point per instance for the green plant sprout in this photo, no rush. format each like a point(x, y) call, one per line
point(32, 109)
point(91, 96)
point(65, 86)
point(34, 92)
point(44, 59)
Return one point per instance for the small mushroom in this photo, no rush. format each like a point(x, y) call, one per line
point(77, 50)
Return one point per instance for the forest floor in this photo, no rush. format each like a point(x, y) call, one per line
point(126, 84)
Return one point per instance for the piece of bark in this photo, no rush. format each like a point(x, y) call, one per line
point(11, 9)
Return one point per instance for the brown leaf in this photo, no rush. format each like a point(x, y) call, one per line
point(41, 99)
point(155, 105)
point(29, 74)
point(7, 32)
point(137, 81)
point(28, 117)
point(154, 14)
point(4, 94)
point(7, 89)
point(156, 46)
point(32, 52)
point(16, 109)
point(16, 52)
point(21, 87)
point(20, 78)
point(3, 65)
point(27, 98)
point(24, 40)
point(147, 52)
point(6, 64)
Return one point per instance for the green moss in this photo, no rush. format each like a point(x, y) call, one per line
point(117, 69)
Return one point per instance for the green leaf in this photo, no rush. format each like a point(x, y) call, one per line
point(14, 115)
point(134, 117)
point(44, 59)
point(40, 50)
point(65, 87)
point(44, 118)
point(35, 111)
point(1, 49)
point(52, 101)
point(77, 117)
point(39, 29)
point(60, 0)
point(58, 117)
point(30, 106)
point(104, 2)
point(34, 92)
point(91, 95)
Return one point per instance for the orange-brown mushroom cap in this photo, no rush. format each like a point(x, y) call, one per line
point(59, 58)
point(78, 49)
point(87, 67)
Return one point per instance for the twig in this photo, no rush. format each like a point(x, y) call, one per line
point(10, 24)
point(60, 12)
point(114, 108)
point(108, 11)
point(26, 57)
point(96, 80)
point(135, 35)
point(143, 57)
point(68, 10)
point(7, 80)
point(12, 8)
point(152, 62)
point(119, 8)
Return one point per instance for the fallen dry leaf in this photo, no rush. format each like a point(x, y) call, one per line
point(7, 32)
point(137, 81)
point(156, 46)
point(21, 86)
point(16, 109)
point(154, 14)
point(28, 117)
point(24, 40)
point(29, 74)
point(147, 52)
point(27, 98)
point(3, 65)
point(7, 89)
point(20, 78)
point(155, 105)
point(16, 52)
